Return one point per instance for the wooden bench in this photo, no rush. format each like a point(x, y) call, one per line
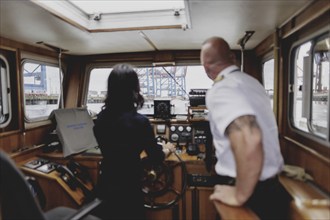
point(308, 201)
point(227, 212)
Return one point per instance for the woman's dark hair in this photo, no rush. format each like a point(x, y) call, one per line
point(123, 89)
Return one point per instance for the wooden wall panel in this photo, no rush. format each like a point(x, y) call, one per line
point(14, 141)
point(314, 164)
point(10, 142)
point(73, 85)
point(26, 47)
point(37, 135)
point(265, 46)
point(310, 13)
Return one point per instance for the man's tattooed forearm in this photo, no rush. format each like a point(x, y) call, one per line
point(241, 122)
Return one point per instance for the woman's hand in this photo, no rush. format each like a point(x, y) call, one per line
point(168, 148)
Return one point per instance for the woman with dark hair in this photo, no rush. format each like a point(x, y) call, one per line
point(122, 134)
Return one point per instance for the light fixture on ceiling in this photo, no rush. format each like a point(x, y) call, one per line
point(176, 12)
point(97, 16)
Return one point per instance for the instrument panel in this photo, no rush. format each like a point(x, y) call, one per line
point(186, 135)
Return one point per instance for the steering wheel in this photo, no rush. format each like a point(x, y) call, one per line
point(158, 185)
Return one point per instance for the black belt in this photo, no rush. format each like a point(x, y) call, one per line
point(227, 180)
point(224, 180)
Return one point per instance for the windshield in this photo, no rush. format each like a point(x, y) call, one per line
point(157, 83)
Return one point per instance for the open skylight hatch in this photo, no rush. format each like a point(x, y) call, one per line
point(107, 16)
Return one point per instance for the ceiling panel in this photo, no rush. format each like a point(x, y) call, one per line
point(26, 22)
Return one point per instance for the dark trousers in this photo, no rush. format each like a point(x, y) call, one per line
point(123, 202)
point(269, 200)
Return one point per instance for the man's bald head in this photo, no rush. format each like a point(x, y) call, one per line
point(215, 56)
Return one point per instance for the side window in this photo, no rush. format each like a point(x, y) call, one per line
point(42, 90)
point(310, 87)
point(5, 105)
point(268, 78)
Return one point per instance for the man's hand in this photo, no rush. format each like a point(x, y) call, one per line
point(225, 194)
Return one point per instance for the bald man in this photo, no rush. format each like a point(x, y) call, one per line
point(245, 135)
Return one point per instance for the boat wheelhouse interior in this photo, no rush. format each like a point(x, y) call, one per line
point(56, 56)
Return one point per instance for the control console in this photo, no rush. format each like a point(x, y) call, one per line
point(41, 165)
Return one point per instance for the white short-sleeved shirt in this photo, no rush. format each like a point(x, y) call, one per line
point(239, 94)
